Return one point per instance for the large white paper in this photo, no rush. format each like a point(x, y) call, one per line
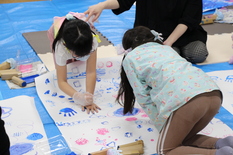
point(108, 128)
point(224, 80)
point(23, 124)
point(93, 132)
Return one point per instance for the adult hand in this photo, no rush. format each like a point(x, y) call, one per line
point(166, 42)
point(94, 12)
point(93, 108)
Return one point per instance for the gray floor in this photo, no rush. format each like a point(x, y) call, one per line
point(219, 28)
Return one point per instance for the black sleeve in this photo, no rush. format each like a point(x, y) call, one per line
point(4, 139)
point(124, 6)
point(192, 14)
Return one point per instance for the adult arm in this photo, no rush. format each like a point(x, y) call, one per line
point(190, 20)
point(176, 34)
point(97, 9)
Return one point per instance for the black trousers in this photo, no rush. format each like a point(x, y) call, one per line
point(4, 139)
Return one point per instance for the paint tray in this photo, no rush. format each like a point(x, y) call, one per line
point(29, 67)
point(56, 146)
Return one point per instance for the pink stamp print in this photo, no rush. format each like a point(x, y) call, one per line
point(81, 141)
point(109, 64)
point(102, 131)
point(131, 119)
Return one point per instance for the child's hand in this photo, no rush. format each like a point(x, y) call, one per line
point(93, 108)
point(83, 99)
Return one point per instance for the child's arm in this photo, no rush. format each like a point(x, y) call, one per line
point(79, 98)
point(91, 73)
point(91, 80)
point(62, 80)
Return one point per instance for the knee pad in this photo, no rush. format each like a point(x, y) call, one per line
point(195, 52)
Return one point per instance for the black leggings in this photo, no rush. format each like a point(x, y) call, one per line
point(194, 52)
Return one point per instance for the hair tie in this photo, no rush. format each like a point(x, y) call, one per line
point(69, 16)
point(157, 35)
point(120, 50)
point(97, 37)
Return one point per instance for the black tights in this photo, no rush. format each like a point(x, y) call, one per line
point(194, 52)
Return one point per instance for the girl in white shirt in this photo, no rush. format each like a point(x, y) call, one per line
point(72, 39)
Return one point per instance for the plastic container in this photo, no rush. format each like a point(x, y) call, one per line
point(56, 146)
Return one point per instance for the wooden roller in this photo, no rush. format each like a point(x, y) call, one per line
point(18, 81)
point(7, 75)
point(5, 65)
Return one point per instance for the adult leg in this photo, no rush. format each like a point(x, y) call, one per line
point(177, 50)
point(195, 52)
point(183, 121)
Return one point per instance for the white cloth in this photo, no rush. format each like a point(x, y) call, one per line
point(62, 54)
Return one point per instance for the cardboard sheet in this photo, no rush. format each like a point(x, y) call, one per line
point(219, 46)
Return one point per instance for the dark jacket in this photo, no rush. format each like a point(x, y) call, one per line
point(164, 15)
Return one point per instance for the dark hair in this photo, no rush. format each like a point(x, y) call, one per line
point(138, 36)
point(131, 39)
point(125, 93)
point(76, 35)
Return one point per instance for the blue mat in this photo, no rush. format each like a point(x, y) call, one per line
point(19, 18)
point(213, 4)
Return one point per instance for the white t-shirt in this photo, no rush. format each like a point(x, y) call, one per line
point(62, 54)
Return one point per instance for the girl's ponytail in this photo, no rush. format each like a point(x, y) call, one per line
point(125, 95)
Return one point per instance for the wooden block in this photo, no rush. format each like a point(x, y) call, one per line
point(5, 65)
point(207, 21)
point(213, 16)
point(135, 148)
point(132, 152)
point(139, 142)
